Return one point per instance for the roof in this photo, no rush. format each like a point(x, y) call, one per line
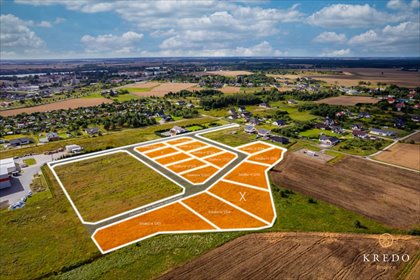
point(6, 164)
point(263, 131)
point(332, 139)
point(249, 127)
point(280, 139)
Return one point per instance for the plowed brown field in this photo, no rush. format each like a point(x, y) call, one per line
point(387, 194)
point(299, 256)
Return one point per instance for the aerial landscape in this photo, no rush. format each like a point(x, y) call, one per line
point(210, 139)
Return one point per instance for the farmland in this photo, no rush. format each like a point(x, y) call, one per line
point(66, 104)
point(297, 256)
point(156, 88)
point(379, 192)
point(120, 183)
point(406, 155)
point(348, 100)
point(229, 73)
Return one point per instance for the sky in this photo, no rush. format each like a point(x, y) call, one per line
point(39, 29)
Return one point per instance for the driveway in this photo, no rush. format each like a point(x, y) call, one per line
point(21, 184)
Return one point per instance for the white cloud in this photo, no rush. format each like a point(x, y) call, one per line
point(403, 5)
point(336, 53)
point(15, 36)
point(262, 49)
point(330, 37)
point(192, 24)
point(352, 16)
point(125, 43)
point(402, 39)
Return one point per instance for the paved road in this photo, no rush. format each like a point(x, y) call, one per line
point(190, 189)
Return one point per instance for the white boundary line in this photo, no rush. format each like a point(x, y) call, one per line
point(199, 215)
point(237, 207)
point(64, 161)
point(120, 214)
point(219, 169)
point(198, 231)
point(243, 185)
point(258, 163)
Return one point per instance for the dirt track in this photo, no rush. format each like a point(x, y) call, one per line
point(383, 193)
point(298, 256)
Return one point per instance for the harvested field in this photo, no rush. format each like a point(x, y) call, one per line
point(157, 89)
point(406, 155)
point(348, 100)
point(299, 256)
point(373, 75)
point(229, 73)
point(383, 193)
point(172, 217)
point(257, 202)
point(221, 214)
point(66, 104)
point(108, 185)
point(250, 174)
point(415, 138)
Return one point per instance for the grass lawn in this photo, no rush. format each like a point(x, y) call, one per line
point(361, 147)
point(304, 144)
point(111, 184)
point(111, 139)
point(125, 97)
point(232, 137)
point(29, 161)
point(315, 133)
point(294, 114)
point(134, 89)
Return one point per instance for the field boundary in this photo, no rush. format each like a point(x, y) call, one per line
point(217, 229)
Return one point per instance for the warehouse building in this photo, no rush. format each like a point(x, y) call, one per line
point(7, 168)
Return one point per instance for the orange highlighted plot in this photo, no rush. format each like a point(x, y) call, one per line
point(172, 158)
point(174, 217)
point(221, 160)
point(268, 157)
point(161, 152)
point(179, 140)
point(257, 202)
point(150, 147)
point(191, 146)
point(221, 214)
point(255, 148)
point(206, 152)
point(186, 165)
point(250, 174)
point(200, 175)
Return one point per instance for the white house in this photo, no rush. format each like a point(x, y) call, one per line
point(73, 149)
point(7, 167)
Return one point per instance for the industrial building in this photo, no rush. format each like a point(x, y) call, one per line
point(7, 168)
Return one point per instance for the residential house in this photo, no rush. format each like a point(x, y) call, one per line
point(165, 119)
point(241, 109)
point(279, 139)
point(190, 106)
point(321, 126)
point(330, 141)
point(356, 126)
point(400, 106)
point(53, 136)
point(92, 131)
point(264, 132)
point(337, 129)
point(180, 103)
point(382, 132)
point(279, 123)
point(233, 116)
point(254, 121)
point(360, 134)
point(249, 128)
point(20, 142)
point(264, 105)
point(232, 111)
point(364, 115)
point(291, 101)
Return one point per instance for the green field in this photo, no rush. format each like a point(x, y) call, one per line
point(104, 186)
point(316, 133)
point(49, 239)
point(232, 137)
point(29, 161)
point(134, 89)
